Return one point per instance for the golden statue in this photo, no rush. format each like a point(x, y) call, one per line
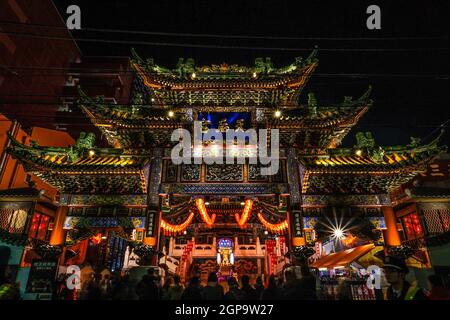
point(223, 125)
point(240, 125)
point(205, 125)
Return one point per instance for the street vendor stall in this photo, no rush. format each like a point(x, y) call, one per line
point(349, 266)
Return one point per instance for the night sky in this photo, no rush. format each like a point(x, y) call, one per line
point(410, 76)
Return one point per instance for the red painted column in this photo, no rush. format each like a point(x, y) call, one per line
point(392, 237)
point(58, 236)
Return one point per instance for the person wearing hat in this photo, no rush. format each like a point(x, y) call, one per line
point(400, 289)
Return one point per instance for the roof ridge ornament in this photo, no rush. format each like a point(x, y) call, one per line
point(262, 66)
point(364, 99)
point(84, 98)
point(312, 58)
point(431, 146)
point(86, 141)
point(366, 95)
point(365, 143)
point(135, 57)
point(187, 68)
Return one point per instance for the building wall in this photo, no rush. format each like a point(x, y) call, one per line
point(32, 79)
point(436, 177)
point(12, 174)
point(39, 76)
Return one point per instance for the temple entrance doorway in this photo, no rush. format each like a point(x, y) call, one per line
point(106, 250)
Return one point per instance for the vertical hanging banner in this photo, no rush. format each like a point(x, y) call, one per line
point(296, 223)
point(151, 223)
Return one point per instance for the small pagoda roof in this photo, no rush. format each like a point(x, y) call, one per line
point(188, 76)
point(126, 116)
point(140, 126)
point(313, 115)
point(188, 84)
point(83, 168)
point(366, 168)
point(76, 158)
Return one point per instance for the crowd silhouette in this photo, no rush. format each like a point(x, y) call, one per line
point(149, 288)
point(294, 284)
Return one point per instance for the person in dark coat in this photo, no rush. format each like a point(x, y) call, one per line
point(234, 293)
point(176, 289)
point(147, 289)
point(290, 290)
point(193, 291)
point(259, 287)
point(250, 292)
point(123, 290)
point(400, 289)
point(307, 284)
point(94, 291)
point(213, 291)
point(272, 292)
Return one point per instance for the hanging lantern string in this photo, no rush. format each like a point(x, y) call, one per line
point(276, 228)
point(242, 220)
point(176, 228)
point(200, 203)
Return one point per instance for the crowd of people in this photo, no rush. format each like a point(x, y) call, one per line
point(149, 288)
point(294, 284)
point(290, 286)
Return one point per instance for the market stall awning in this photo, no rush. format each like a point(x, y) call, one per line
point(342, 258)
point(371, 258)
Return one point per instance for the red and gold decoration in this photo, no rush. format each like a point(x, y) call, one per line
point(242, 220)
point(173, 229)
point(274, 228)
point(187, 250)
point(200, 203)
point(96, 239)
point(271, 251)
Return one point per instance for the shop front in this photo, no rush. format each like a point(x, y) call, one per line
point(345, 274)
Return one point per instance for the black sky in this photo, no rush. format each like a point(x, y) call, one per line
point(411, 85)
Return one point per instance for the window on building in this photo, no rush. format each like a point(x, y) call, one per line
point(13, 220)
point(412, 226)
point(41, 226)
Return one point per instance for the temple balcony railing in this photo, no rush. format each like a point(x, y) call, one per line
point(210, 250)
point(243, 251)
point(171, 262)
point(204, 250)
point(176, 250)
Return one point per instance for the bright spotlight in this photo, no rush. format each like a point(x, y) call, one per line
point(338, 233)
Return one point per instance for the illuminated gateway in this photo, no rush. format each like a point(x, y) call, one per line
point(130, 202)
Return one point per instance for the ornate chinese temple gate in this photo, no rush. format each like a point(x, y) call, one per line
point(180, 211)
